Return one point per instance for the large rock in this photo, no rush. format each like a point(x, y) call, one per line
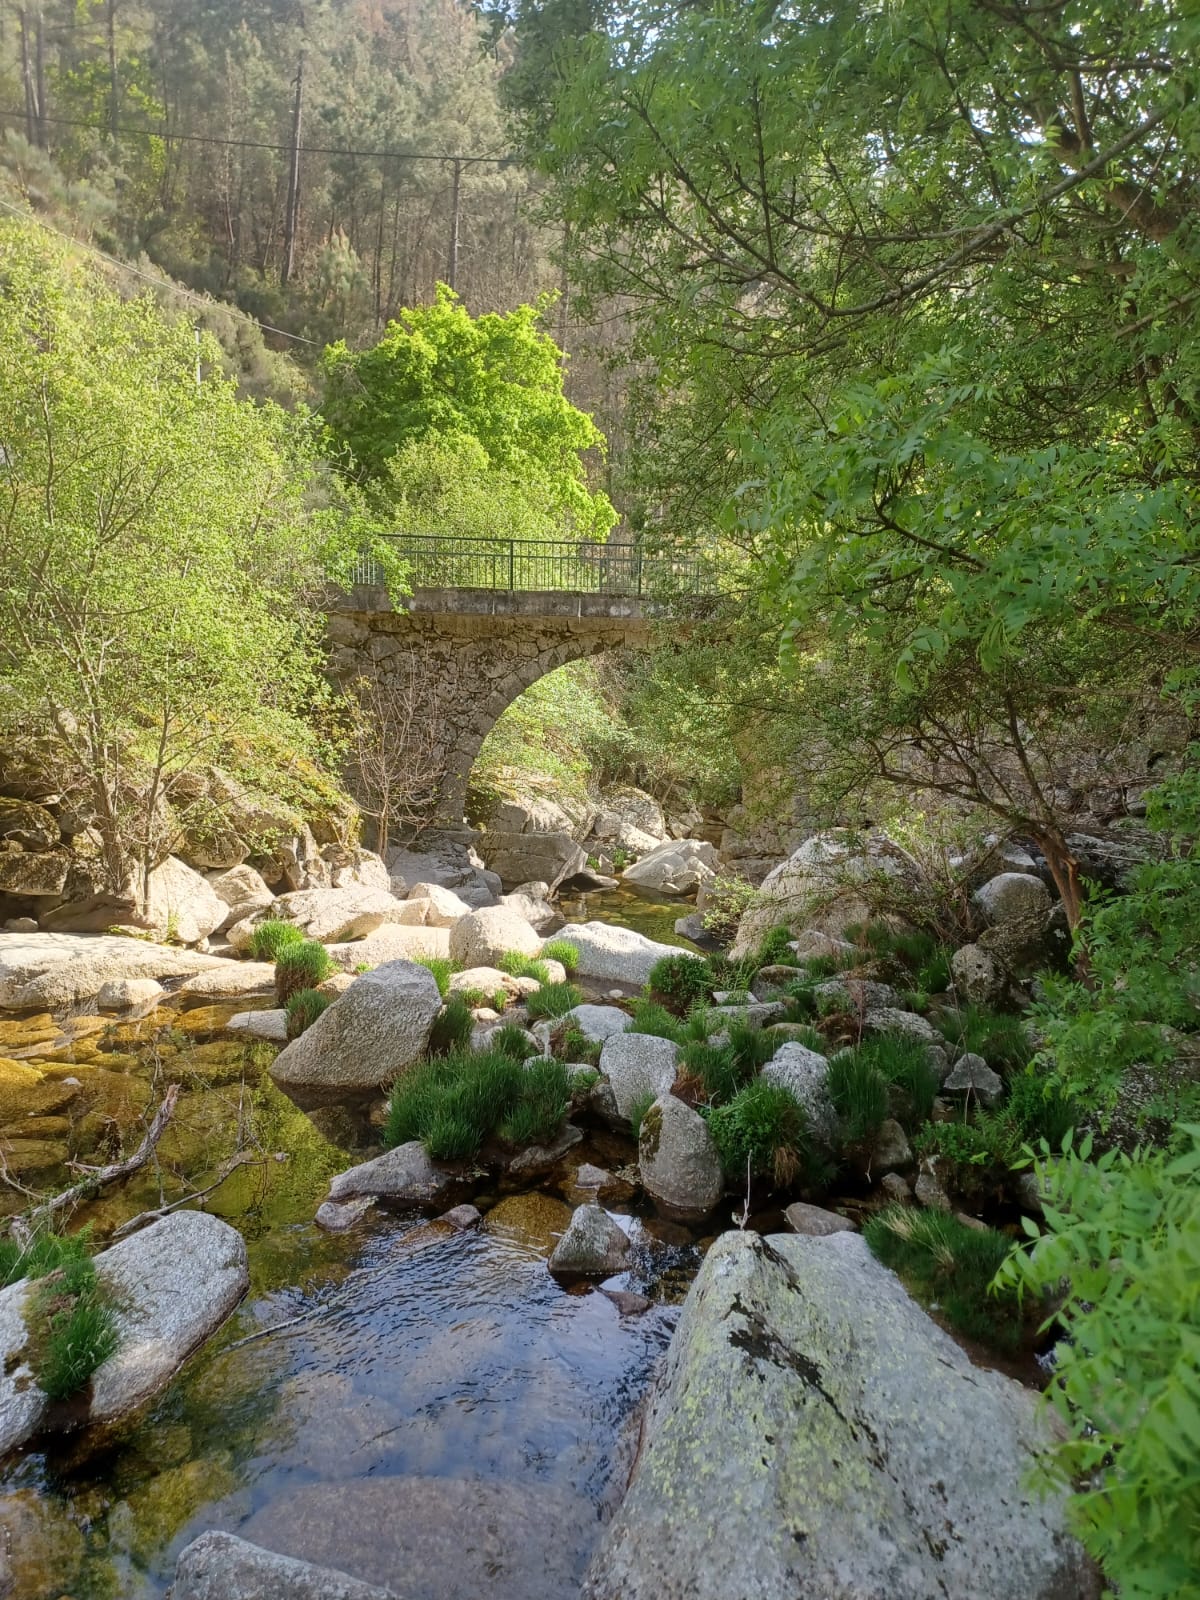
point(331, 915)
point(539, 815)
point(172, 1285)
point(244, 892)
point(33, 873)
point(54, 971)
point(978, 975)
point(804, 1074)
point(26, 826)
point(367, 1036)
point(22, 1403)
point(220, 1566)
point(480, 939)
point(181, 904)
point(829, 1442)
point(231, 978)
point(618, 954)
point(536, 910)
point(450, 863)
point(593, 1246)
point(637, 1065)
point(404, 1175)
point(1013, 897)
point(598, 1023)
point(395, 941)
point(122, 994)
point(443, 907)
point(678, 1161)
point(628, 817)
point(520, 857)
point(819, 887)
point(679, 866)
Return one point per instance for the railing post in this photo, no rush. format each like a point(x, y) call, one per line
point(512, 564)
point(637, 556)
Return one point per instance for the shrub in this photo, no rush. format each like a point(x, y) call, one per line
point(801, 1002)
point(553, 1000)
point(1122, 1236)
point(763, 1131)
point(904, 1061)
point(649, 1016)
point(303, 1008)
point(859, 1095)
point(300, 966)
point(679, 981)
point(1039, 1108)
point(272, 936)
point(453, 1102)
point(562, 951)
point(933, 975)
point(443, 970)
point(452, 1027)
point(512, 1041)
point(998, 1038)
point(638, 1110)
point(951, 1267)
point(974, 1158)
point(544, 1103)
point(519, 966)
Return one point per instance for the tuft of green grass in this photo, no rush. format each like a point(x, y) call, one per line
point(713, 1069)
point(763, 1130)
point(543, 1106)
point(996, 1036)
point(272, 936)
point(652, 1018)
point(72, 1328)
point(562, 951)
point(678, 982)
point(453, 1102)
point(300, 966)
point(553, 1000)
point(774, 948)
point(903, 1061)
point(303, 1008)
point(443, 970)
point(859, 1094)
point(500, 1000)
point(519, 966)
point(473, 996)
point(511, 1041)
point(572, 1044)
point(951, 1267)
point(638, 1110)
point(452, 1027)
point(45, 1253)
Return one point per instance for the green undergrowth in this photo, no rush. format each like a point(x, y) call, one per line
point(762, 1132)
point(562, 951)
point(443, 970)
point(518, 966)
point(272, 936)
point(976, 1157)
point(68, 1313)
point(553, 1000)
point(512, 1041)
point(951, 1267)
point(454, 1103)
point(570, 1043)
point(638, 1110)
point(452, 1027)
point(678, 982)
point(715, 1073)
point(996, 1036)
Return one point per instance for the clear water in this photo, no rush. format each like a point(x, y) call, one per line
point(420, 1408)
point(651, 914)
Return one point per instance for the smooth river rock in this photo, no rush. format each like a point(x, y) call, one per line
point(637, 1065)
point(480, 939)
point(618, 954)
point(220, 1566)
point(678, 1161)
point(173, 1285)
point(367, 1036)
point(403, 1174)
point(594, 1246)
point(54, 971)
point(815, 1436)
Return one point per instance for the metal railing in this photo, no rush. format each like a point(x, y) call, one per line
point(573, 566)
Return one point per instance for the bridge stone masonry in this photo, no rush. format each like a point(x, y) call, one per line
point(485, 620)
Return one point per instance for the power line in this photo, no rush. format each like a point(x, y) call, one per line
point(160, 283)
point(263, 144)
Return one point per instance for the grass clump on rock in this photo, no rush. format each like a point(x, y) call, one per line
point(904, 1061)
point(562, 951)
point(71, 1324)
point(298, 966)
point(443, 970)
point(638, 1110)
point(652, 1017)
point(513, 1041)
point(763, 1133)
point(859, 1094)
point(454, 1103)
point(951, 1267)
point(518, 966)
point(451, 1027)
point(303, 1008)
point(272, 936)
point(553, 1000)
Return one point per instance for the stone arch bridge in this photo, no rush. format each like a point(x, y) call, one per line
point(486, 619)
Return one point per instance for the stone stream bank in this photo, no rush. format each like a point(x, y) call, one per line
point(420, 1404)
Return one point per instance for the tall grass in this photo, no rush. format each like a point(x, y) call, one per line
point(303, 1008)
point(519, 966)
point(996, 1036)
point(553, 1000)
point(299, 966)
point(452, 1027)
point(562, 951)
point(763, 1131)
point(272, 936)
point(443, 970)
point(453, 1103)
point(678, 982)
point(904, 1061)
point(71, 1322)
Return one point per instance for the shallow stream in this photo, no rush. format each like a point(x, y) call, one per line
point(421, 1408)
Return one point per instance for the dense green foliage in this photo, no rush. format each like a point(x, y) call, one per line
point(562, 951)
point(553, 1000)
point(451, 1027)
point(271, 937)
point(69, 1315)
point(1122, 1236)
point(762, 1133)
point(679, 982)
point(442, 968)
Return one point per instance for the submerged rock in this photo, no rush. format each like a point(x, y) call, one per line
point(828, 1439)
point(593, 1246)
point(220, 1566)
point(368, 1036)
point(122, 994)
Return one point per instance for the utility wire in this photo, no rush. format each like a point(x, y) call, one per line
point(160, 283)
point(262, 144)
